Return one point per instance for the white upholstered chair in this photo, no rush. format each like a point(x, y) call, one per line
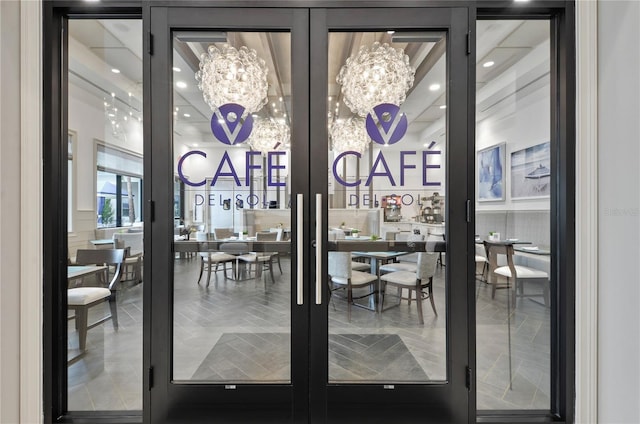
point(210, 261)
point(81, 299)
point(419, 281)
point(512, 272)
point(342, 276)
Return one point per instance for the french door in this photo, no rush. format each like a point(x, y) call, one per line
point(282, 142)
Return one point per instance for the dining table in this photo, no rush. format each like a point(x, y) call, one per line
point(376, 259)
point(76, 272)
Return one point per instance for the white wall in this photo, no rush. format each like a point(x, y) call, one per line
point(619, 216)
point(9, 212)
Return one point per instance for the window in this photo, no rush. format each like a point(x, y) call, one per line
point(118, 188)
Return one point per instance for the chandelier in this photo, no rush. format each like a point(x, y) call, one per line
point(119, 119)
point(230, 75)
point(349, 135)
point(268, 135)
point(375, 75)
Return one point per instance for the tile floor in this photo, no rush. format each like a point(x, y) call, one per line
point(109, 376)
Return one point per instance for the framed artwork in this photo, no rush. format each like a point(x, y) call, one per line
point(491, 173)
point(531, 172)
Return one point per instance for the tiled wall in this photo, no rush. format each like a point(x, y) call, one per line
point(533, 226)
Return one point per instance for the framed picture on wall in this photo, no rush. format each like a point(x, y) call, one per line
point(531, 172)
point(491, 173)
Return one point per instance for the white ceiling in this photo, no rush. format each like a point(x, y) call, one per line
point(98, 46)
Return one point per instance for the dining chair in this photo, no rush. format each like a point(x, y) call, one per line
point(263, 261)
point(81, 299)
point(222, 233)
point(518, 273)
point(133, 261)
point(344, 277)
point(210, 261)
point(419, 280)
point(403, 266)
point(481, 259)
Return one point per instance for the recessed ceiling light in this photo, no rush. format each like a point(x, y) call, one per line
point(488, 64)
point(186, 115)
point(115, 70)
point(443, 107)
point(434, 87)
point(175, 113)
point(521, 1)
point(280, 99)
point(195, 144)
point(176, 69)
point(390, 32)
point(181, 84)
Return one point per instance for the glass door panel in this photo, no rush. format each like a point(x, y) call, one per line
point(231, 141)
point(388, 135)
point(390, 319)
point(230, 309)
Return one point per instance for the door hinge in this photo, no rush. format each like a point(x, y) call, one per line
point(152, 211)
point(149, 378)
point(468, 211)
point(469, 378)
point(150, 43)
point(469, 42)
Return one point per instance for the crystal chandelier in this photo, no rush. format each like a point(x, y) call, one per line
point(229, 75)
point(349, 135)
point(375, 75)
point(268, 135)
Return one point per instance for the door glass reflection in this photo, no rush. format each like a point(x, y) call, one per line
point(232, 217)
point(387, 124)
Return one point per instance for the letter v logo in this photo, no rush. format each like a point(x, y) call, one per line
point(228, 126)
point(386, 125)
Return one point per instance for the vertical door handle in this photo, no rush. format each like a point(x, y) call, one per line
point(318, 249)
point(300, 248)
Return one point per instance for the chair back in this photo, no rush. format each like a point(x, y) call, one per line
point(339, 264)
point(278, 231)
point(493, 249)
point(222, 233)
point(234, 248)
point(427, 262)
point(266, 236)
point(108, 257)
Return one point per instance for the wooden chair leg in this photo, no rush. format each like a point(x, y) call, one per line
point(208, 273)
point(273, 280)
point(279, 266)
point(349, 301)
point(433, 303)
point(418, 290)
point(114, 310)
point(81, 325)
point(201, 268)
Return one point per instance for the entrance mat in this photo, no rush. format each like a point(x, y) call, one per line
point(265, 357)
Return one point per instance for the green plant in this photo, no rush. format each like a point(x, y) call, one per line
point(107, 212)
point(355, 231)
point(374, 237)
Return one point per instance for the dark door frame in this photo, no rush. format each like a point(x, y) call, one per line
point(55, 15)
point(184, 401)
point(452, 401)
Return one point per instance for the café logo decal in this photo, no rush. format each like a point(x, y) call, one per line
point(386, 125)
point(228, 125)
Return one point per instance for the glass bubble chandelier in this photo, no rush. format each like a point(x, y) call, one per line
point(375, 75)
point(269, 135)
point(230, 75)
point(349, 135)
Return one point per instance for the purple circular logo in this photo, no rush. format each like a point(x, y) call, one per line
point(386, 125)
point(228, 126)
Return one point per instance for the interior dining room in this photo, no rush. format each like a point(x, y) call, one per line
point(322, 214)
